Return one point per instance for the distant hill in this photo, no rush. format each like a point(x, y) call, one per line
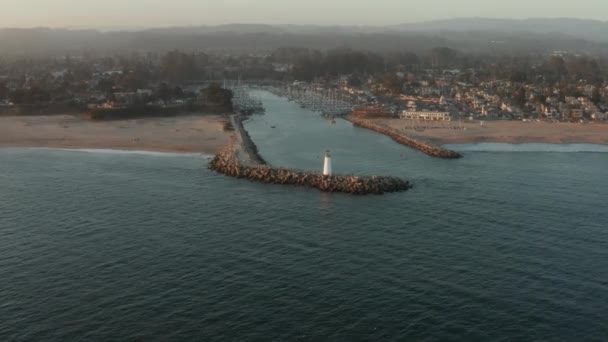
point(475, 35)
point(588, 29)
point(580, 28)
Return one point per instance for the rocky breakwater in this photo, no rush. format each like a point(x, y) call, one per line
point(227, 162)
point(427, 148)
point(245, 143)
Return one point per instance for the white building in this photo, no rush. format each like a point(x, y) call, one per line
point(283, 68)
point(426, 116)
point(551, 112)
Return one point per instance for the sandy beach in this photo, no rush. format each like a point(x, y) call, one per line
point(505, 132)
point(187, 134)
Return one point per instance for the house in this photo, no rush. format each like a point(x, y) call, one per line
point(130, 99)
point(60, 74)
point(507, 107)
point(584, 101)
point(412, 106)
point(429, 91)
point(573, 101)
point(552, 100)
point(550, 112)
point(576, 113)
point(478, 103)
point(282, 68)
point(112, 72)
point(588, 91)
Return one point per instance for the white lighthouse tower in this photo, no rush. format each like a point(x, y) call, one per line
point(327, 171)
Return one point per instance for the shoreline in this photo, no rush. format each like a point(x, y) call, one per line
point(507, 132)
point(110, 151)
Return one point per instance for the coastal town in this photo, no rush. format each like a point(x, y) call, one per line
point(441, 86)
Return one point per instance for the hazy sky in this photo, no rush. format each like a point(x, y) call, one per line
point(62, 13)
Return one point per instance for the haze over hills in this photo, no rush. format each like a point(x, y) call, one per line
point(594, 30)
point(582, 28)
point(479, 35)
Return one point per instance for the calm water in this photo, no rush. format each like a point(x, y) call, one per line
point(104, 246)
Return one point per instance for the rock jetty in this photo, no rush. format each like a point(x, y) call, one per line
point(247, 144)
point(241, 159)
point(226, 162)
point(424, 147)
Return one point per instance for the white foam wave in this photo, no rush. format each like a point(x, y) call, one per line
point(529, 147)
point(125, 152)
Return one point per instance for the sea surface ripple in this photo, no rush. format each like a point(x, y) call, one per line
point(127, 247)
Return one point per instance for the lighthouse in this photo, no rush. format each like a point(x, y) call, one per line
point(327, 165)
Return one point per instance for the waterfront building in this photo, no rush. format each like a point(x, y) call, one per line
point(426, 116)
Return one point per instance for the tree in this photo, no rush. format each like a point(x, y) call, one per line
point(354, 81)
point(520, 97)
point(214, 94)
point(518, 76)
point(178, 92)
point(33, 95)
point(557, 66)
point(132, 81)
point(4, 91)
point(106, 85)
point(178, 66)
point(561, 95)
point(18, 96)
point(163, 92)
point(443, 56)
point(596, 97)
point(392, 83)
point(541, 98)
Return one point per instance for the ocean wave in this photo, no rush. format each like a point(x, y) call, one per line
point(528, 147)
point(125, 152)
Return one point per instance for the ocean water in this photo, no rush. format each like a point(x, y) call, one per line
point(116, 246)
